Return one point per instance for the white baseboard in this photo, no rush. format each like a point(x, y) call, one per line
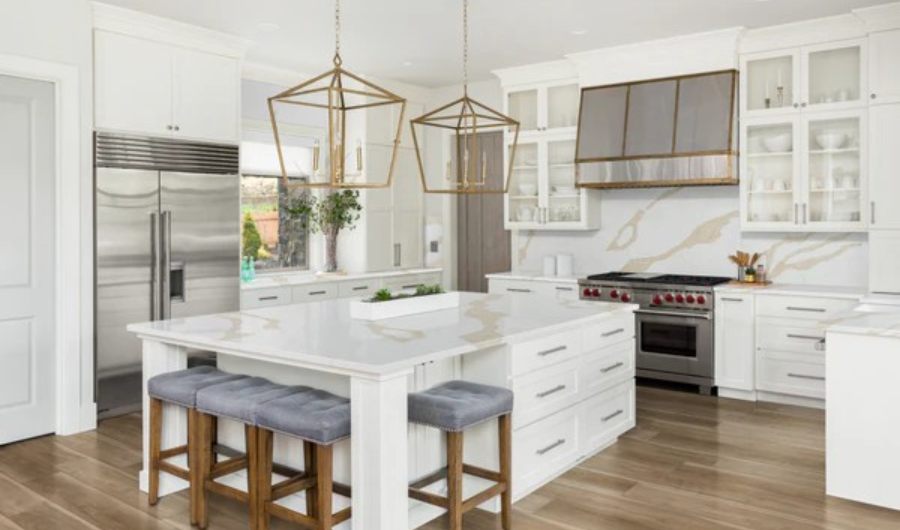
point(797, 401)
point(743, 395)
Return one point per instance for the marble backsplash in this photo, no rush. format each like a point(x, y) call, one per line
point(692, 231)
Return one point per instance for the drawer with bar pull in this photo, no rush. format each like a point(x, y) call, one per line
point(606, 416)
point(268, 297)
point(358, 289)
point(801, 307)
point(315, 292)
point(543, 448)
point(545, 351)
point(609, 331)
point(607, 368)
point(795, 336)
point(788, 374)
point(541, 393)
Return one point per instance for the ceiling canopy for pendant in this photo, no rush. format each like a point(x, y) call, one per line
point(467, 120)
point(345, 97)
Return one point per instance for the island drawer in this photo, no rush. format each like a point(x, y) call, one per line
point(268, 297)
point(545, 392)
point(786, 374)
point(605, 416)
point(545, 351)
point(407, 283)
point(358, 289)
point(807, 308)
point(315, 292)
point(607, 368)
point(609, 331)
point(513, 287)
point(543, 449)
point(797, 336)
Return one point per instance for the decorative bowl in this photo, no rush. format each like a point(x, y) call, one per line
point(528, 189)
point(831, 140)
point(779, 143)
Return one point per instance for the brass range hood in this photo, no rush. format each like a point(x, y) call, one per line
point(675, 131)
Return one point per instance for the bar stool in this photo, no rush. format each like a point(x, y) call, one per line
point(454, 407)
point(320, 419)
point(177, 388)
point(238, 400)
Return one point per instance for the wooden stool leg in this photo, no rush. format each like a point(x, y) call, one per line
point(505, 426)
point(204, 457)
point(310, 467)
point(324, 484)
point(193, 442)
point(265, 451)
point(155, 449)
point(455, 479)
point(251, 438)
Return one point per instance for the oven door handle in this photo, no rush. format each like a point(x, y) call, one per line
point(703, 316)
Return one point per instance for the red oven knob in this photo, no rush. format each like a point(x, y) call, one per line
point(586, 292)
point(680, 299)
point(596, 292)
point(701, 299)
point(614, 294)
point(690, 299)
point(670, 298)
point(626, 297)
point(657, 300)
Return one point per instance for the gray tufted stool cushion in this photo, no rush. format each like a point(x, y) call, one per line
point(458, 405)
point(310, 414)
point(241, 399)
point(181, 387)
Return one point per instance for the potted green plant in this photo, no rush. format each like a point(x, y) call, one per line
point(328, 215)
point(385, 304)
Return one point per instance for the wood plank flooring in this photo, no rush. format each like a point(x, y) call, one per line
point(693, 463)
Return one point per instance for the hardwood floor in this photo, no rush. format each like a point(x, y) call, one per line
point(693, 463)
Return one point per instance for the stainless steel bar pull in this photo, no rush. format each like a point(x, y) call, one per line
point(166, 265)
point(155, 267)
point(397, 253)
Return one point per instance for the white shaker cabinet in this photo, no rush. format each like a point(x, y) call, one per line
point(884, 67)
point(884, 261)
point(884, 157)
point(735, 345)
point(148, 87)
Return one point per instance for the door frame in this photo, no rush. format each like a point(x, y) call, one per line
point(76, 410)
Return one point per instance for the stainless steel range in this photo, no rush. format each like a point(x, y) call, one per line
point(674, 328)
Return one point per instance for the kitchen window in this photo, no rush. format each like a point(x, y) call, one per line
point(269, 235)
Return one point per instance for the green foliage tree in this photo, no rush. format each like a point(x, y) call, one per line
point(252, 240)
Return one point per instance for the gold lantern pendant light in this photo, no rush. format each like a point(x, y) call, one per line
point(340, 93)
point(466, 118)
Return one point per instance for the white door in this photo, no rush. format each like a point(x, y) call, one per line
point(884, 261)
point(206, 97)
point(27, 213)
point(884, 67)
point(884, 157)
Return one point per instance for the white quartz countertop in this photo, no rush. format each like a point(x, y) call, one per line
point(532, 277)
point(868, 319)
point(787, 289)
point(304, 278)
point(322, 334)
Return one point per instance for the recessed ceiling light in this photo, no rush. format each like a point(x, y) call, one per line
point(579, 32)
point(268, 27)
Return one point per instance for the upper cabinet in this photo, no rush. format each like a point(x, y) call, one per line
point(542, 193)
point(884, 69)
point(812, 78)
point(148, 87)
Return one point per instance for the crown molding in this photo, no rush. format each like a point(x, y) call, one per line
point(136, 24)
point(560, 70)
point(805, 33)
point(880, 18)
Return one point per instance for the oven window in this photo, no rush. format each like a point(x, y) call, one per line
point(669, 339)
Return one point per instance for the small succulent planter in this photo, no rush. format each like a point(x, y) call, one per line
point(385, 305)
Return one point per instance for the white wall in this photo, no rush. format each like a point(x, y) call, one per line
point(59, 31)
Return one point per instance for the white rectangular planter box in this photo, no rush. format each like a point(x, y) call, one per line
point(362, 310)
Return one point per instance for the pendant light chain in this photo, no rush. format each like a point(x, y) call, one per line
point(337, 32)
point(466, 47)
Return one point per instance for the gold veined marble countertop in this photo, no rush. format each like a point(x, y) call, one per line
point(868, 319)
point(323, 335)
point(532, 277)
point(788, 289)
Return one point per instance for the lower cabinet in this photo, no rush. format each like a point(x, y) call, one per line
point(735, 363)
point(566, 290)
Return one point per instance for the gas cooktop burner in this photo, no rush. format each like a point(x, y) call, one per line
point(668, 279)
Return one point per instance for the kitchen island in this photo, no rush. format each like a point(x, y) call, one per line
point(570, 363)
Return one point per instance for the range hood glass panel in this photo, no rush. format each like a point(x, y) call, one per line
point(704, 114)
point(651, 119)
point(602, 123)
point(655, 172)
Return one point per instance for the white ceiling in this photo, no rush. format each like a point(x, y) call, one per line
point(420, 41)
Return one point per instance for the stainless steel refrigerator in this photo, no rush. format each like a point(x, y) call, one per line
point(167, 233)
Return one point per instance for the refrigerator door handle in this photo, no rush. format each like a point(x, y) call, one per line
point(155, 269)
point(166, 266)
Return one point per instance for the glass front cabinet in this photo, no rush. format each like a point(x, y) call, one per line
point(803, 139)
point(542, 193)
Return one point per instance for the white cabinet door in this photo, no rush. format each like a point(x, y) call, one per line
point(408, 239)
point(884, 67)
point(884, 262)
point(379, 243)
point(735, 348)
point(206, 97)
point(884, 161)
point(133, 84)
